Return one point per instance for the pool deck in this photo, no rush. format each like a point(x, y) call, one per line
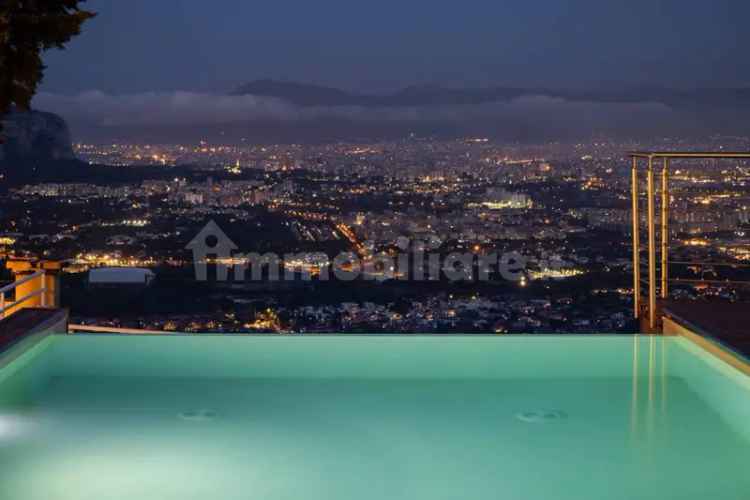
point(723, 321)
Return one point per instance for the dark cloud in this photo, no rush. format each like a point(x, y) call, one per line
point(535, 117)
point(162, 108)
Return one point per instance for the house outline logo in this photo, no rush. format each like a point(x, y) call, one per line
point(201, 249)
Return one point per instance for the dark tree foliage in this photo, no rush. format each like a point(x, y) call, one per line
point(27, 28)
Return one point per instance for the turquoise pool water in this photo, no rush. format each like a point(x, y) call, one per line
point(366, 417)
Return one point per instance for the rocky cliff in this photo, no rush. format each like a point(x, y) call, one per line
point(35, 135)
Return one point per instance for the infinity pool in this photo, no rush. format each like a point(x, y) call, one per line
point(371, 417)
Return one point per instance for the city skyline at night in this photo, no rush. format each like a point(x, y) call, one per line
point(377, 251)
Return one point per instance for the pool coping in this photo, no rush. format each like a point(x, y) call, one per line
point(712, 347)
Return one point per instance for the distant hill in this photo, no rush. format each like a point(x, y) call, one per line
point(431, 95)
point(35, 135)
point(14, 173)
point(38, 148)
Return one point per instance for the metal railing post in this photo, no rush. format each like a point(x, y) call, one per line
point(665, 229)
point(636, 243)
point(43, 289)
point(651, 247)
point(8, 309)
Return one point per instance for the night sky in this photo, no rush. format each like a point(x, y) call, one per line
point(213, 46)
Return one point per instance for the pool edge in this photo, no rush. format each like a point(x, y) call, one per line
point(712, 347)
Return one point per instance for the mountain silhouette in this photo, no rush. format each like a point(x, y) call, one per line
point(302, 94)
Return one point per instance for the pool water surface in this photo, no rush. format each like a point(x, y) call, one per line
point(368, 417)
